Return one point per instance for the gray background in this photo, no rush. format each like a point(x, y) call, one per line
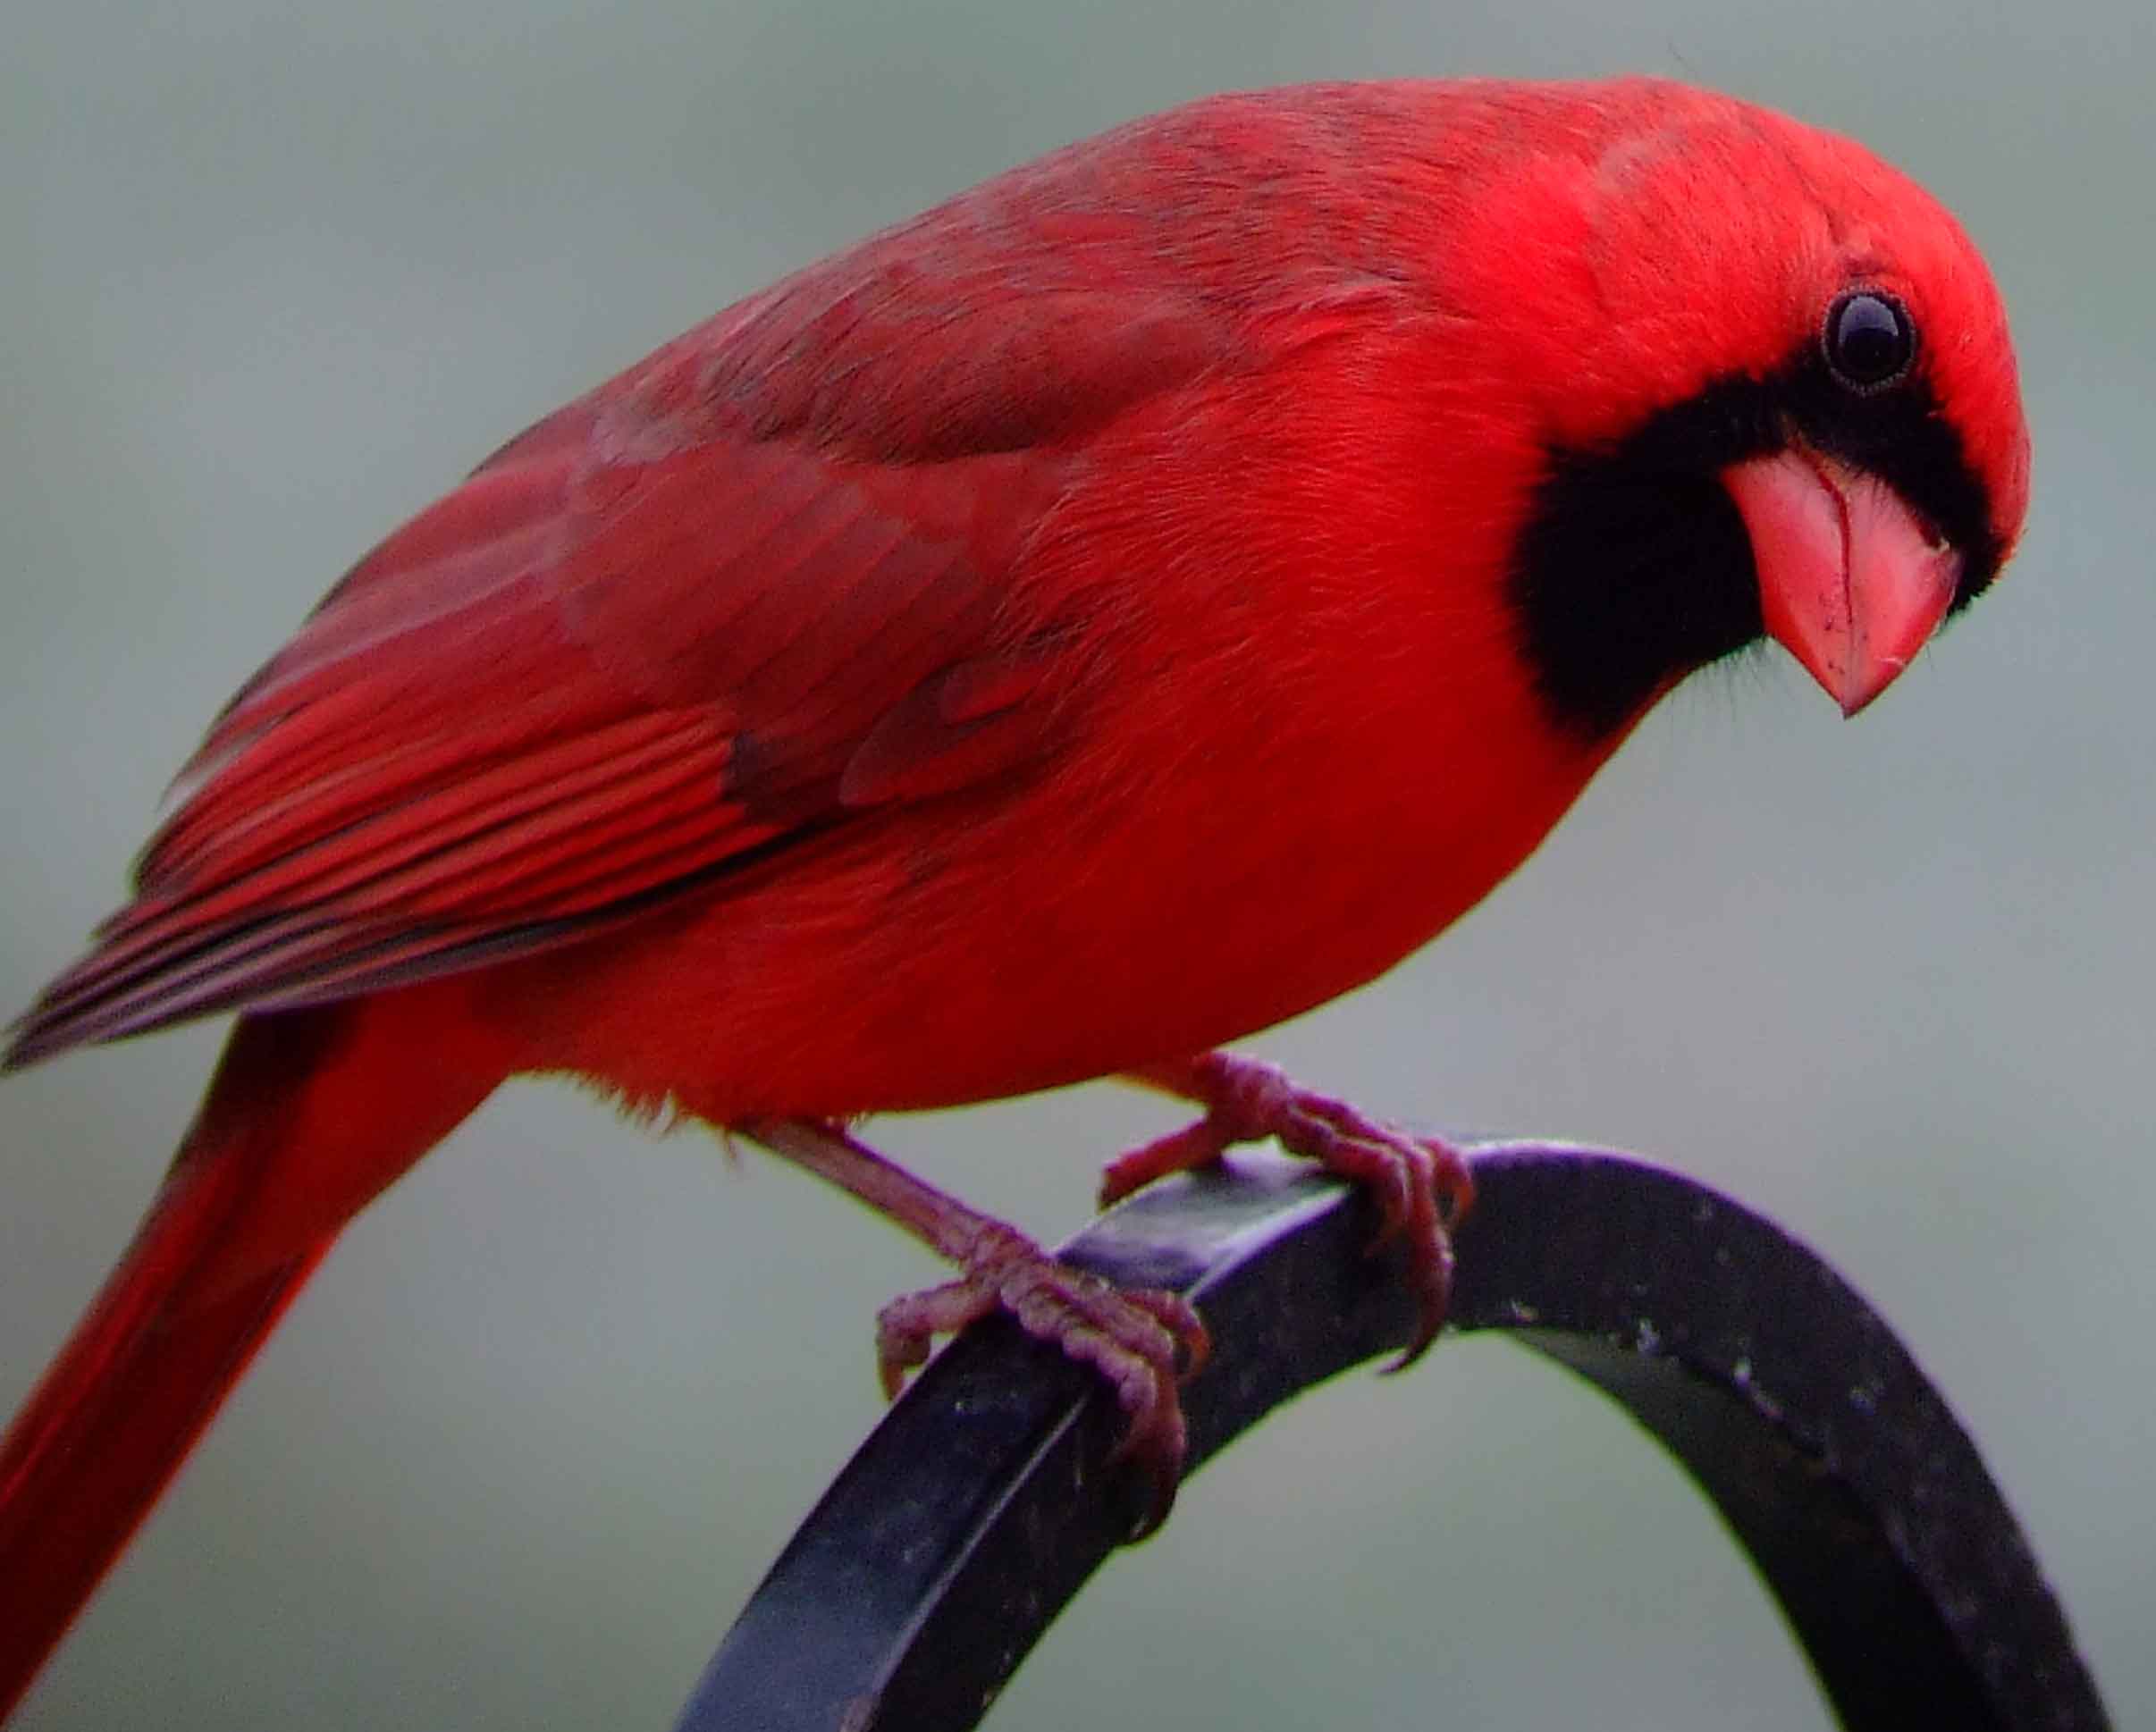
point(275, 273)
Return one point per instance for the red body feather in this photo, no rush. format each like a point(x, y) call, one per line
point(1065, 633)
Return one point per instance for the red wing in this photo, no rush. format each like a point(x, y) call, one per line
point(572, 686)
point(758, 583)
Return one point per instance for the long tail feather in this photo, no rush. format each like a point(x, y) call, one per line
point(103, 1433)
point(286, 1147)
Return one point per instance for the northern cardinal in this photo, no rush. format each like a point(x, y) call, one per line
point(1139, 600)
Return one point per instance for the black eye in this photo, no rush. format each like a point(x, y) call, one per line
point(1869, 339)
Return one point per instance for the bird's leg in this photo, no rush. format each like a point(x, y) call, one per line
point(1133, 1337)
point(1421, 1185)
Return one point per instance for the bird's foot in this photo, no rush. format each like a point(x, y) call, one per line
point(1143, 1340)
point(1421, 1185)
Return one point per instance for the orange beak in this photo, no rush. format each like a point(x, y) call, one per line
point(1852, 581)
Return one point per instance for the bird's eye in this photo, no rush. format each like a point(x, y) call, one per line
point(1869, 340)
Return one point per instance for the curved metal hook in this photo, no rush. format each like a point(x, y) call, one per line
point(981, 1504)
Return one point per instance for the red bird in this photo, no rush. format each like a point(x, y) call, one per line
point(1139, 600)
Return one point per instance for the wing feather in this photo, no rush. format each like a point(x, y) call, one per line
point(759, 585)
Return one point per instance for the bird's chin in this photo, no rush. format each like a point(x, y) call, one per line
point(1853, 581)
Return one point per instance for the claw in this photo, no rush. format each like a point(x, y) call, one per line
point(1421, 1186)
point(1143, 1340)
point(1133, 1337)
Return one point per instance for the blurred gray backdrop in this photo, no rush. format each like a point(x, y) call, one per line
point(275, 273)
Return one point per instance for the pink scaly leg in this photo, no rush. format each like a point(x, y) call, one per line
point(1133, 1337)
point(1421, 1185)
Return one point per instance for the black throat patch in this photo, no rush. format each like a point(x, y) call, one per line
point(1634, 569)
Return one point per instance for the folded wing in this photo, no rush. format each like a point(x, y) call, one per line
point(689, 621)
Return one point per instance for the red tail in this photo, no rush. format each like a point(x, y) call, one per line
point(110, 1424)
point(290, 1141)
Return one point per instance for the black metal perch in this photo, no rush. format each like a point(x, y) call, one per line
point(982, 1503)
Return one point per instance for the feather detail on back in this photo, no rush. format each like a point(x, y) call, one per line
point(639, 647)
